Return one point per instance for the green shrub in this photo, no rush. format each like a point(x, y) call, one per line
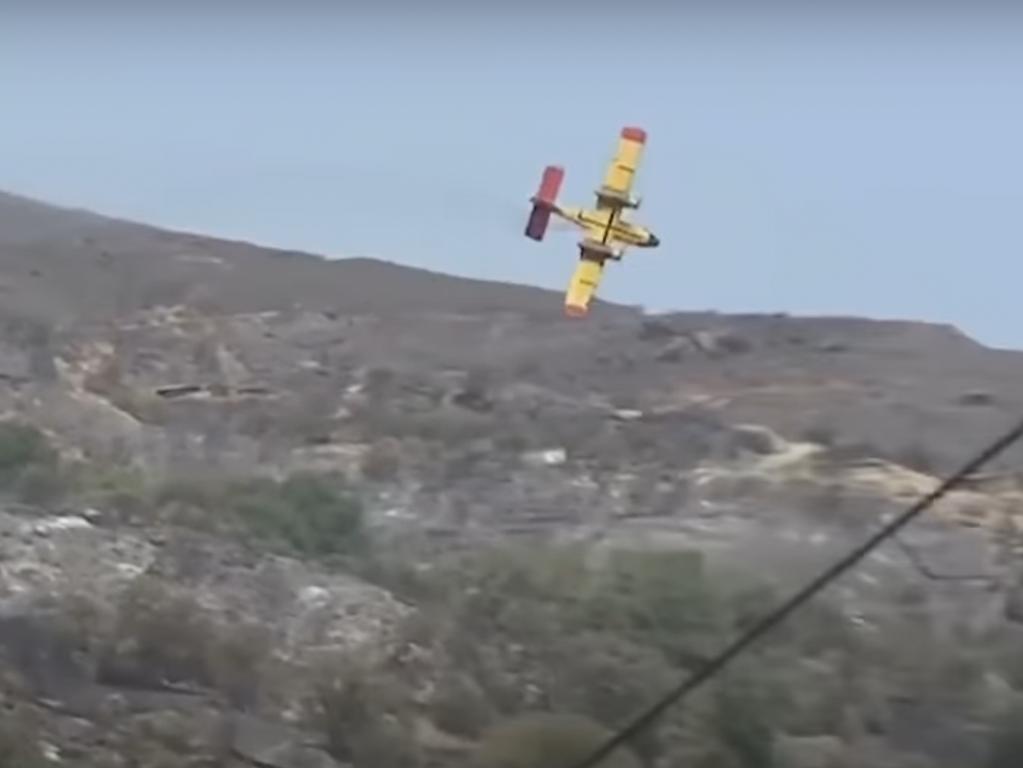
point(309, 512)
point(22, 445)
point(30, 466)
point(741, 720)
point(588, 637)
point(659, 599)
point(607, 677)
point(201, 491)
point(40, 484)
point(547, 740)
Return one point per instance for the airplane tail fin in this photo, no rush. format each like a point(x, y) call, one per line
point(544, 201)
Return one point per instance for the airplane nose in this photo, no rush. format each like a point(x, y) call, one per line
point(654, 241)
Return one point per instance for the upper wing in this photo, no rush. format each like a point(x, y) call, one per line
point(621, 172)
point(583, 287)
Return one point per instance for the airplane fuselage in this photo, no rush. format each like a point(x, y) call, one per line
point(607, 227)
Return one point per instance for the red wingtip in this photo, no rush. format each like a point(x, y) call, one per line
point(632, 133)
point(575, 310)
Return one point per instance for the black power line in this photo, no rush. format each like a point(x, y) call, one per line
point(715, 665)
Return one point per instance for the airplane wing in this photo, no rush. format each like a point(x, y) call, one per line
point(620, 174)
point(583, 287)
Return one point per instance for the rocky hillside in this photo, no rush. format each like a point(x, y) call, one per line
point(247, 492)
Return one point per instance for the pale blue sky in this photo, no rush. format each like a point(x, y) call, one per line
point(834, 163)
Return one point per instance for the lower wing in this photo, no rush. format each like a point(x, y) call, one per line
point(583, 287)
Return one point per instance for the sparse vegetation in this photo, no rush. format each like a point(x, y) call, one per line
point(560, 642)
point(550, 628)
point(592, 639)
point(579, 638)
point(314, 514)
point(208, 568)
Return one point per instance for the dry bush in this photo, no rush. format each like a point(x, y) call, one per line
point(20, 738)
point(917, 457)
point(194, 738)
point(382, 462)
point(237, 659)
point(364, 714)
point(106, 379)
point(460, 706)
point(160, 635)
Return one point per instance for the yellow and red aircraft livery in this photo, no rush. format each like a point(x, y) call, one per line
point(607, 232)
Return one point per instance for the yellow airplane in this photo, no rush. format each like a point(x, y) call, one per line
point(607, 232)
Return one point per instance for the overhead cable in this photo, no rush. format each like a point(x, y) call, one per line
point(775, 617)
